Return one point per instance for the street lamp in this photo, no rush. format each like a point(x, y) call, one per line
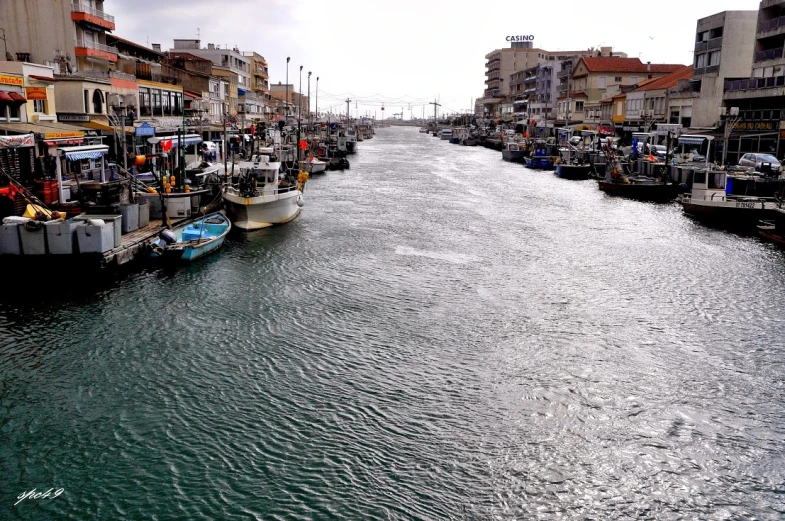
point(300, 95)
point(309, 98)
point(501, 93)
point(286, 101)
point(732, 119)
point(317, 96)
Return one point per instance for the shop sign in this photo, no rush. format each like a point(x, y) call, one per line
point(756, 125)
point(145, 130)
point(36, 93)
point(11, 80)
point(61, 142)
point(73, 118)
point(25, 140)
point(631, 129)
point(61, 135)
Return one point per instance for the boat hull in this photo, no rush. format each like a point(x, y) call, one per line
point(515, 156)
point(198, 246)
point(726, 215)
point(540, 163)
point(255, 213)
point(573, 172)
point(351, 147)
point(471, 142)
point(641, 192)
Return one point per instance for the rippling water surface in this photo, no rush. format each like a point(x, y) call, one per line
point(440, 335)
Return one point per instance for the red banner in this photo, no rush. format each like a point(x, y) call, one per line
point(25, 140)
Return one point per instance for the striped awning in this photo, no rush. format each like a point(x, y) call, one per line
point(87, 154)
point(691, 140)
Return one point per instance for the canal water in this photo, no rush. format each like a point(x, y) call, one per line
point(439, 335)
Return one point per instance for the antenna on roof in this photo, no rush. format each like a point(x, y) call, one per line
point(198, 34)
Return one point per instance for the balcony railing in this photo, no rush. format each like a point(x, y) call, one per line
point(770, 25)
point(755, 83)
point(771, 54)
point(78, 8)
point(81, 42)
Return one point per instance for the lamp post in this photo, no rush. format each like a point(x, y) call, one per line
point(733, 119)
point(317, 96)
point(299, 114)
point(501, 93)
point(309, 99)
point(286, 101)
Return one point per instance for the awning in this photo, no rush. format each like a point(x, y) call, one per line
point(100, 125)
point(691, 140)
point(45, 129)
point(190, 139)
point(5, 98)
point(85, 152)
point(42, 78)
point(17, 98)
point(490, 101)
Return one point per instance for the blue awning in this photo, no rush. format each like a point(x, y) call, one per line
point(89, 154)
point(691, 140)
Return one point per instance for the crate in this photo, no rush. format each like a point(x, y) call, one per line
point(33, 238)
point(94, 238)
point(9, 239)
point(60, 237)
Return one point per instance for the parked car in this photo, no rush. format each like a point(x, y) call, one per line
point(757, 160)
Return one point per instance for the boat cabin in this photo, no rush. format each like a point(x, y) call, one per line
point(694, 148)
point(708, 185)
point(447, 132)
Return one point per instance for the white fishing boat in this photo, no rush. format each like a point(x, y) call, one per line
point(261, 197)
point(313, 165)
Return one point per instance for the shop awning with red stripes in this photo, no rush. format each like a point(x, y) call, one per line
point(17, 98)
point(5, 98)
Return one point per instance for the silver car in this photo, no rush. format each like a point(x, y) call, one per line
point(756, 160)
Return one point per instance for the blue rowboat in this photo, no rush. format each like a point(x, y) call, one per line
point(192, 241)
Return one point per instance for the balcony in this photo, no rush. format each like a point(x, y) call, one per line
point(771, 54)
point(714, 43)
point(95, 50)
point(755, 88)
point(81, 13)
point(564, 73)
point(771, 27)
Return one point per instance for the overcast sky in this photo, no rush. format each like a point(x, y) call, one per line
point(404, 53)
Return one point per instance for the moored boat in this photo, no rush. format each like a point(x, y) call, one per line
point(191, 241)
point(513, 152)
point(261, 198)
point(709, 202)
point(540, 157)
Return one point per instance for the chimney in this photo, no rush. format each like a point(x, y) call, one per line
point(157, 47)
point(211, 46)
point(648, 66)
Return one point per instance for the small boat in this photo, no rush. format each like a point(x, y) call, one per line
point(513, 152)
point(423, 130)
point(569, 164)
point(313, 165)
point(191, 241)
point(709, 202)
point(263, 196)
point(338, 163)
point(540, 157)
point(351, 141)
point(446, 134)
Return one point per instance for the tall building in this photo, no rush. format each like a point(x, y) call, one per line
point(758, 94)
point(503, 81)
point(723, 49)
point(69, 36)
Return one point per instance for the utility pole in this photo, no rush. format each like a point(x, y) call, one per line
point(347, 110)
point(434, 109)
point(317, 96)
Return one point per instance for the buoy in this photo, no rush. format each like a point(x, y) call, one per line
point(300, 202)
point(151, 190)
point(139, 160)
point(168, 189)
point(187, 189)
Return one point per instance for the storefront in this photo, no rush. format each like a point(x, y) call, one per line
point(12, 100)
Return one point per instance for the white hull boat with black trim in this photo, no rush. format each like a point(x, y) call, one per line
point(263, 197)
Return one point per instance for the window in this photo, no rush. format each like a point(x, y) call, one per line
point(87, 101)
point(98, 102)
point(700, 61)
point(39, 106)
point(633, 80)
point(578, 106)
point(617, 79)
point(618, 108)
point(602, 82)
point(714, 58)
point(156, 93)
point(13, 111)
point(144, 101)
point(165, 103)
